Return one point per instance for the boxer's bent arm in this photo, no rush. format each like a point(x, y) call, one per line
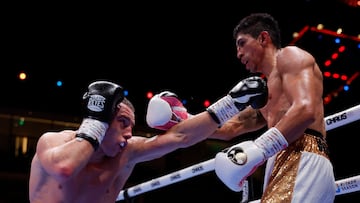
point(61, 155)
point(248, 120)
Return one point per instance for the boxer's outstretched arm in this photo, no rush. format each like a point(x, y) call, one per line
point(248, 92)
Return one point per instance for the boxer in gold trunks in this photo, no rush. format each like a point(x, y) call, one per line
point(298, 168)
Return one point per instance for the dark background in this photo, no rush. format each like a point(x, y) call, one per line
point(185, 47)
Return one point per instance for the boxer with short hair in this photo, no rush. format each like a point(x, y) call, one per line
point(93, 163)
point(298, 168)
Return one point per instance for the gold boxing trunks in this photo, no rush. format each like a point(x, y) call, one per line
point(281, 181)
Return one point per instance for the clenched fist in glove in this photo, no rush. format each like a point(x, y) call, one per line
point(239, 161)
point(100, 103)
point(251, 91)
point(165, 110)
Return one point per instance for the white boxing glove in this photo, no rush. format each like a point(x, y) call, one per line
point(165, 110)
point(240, 161)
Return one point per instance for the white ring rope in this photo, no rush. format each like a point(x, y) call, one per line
point(344, 186)
point(342, 118)
point(348, 185)
point(168, 179)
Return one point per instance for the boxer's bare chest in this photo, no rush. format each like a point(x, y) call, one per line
point(96, 179)
point(277, 104)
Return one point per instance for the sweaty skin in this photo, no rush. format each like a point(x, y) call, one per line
point(295, 90)
point(294, 112)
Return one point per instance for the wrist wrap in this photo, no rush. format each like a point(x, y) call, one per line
point(92, 141)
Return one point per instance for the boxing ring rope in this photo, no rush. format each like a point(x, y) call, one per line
point(344, 186)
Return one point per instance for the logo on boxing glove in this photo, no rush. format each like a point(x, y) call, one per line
point(96, 103)
point(237, 156)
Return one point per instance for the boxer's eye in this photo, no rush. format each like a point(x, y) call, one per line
point(239, 43)
point(125, 121)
